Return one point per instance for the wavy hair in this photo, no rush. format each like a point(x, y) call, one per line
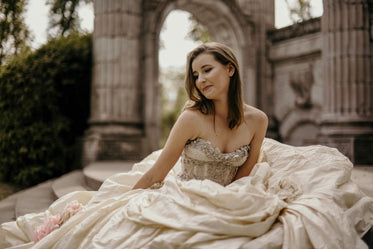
point(197, 101)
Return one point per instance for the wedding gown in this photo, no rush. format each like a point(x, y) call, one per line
point(295, 197)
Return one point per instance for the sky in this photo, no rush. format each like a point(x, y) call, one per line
point(173, 36)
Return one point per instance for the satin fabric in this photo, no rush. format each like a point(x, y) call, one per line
point(295, 197)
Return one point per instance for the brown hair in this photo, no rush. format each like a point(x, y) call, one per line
point(224, 55)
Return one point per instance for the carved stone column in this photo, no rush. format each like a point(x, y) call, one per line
point(262, 13)
point(347, 119)
point(116, 121)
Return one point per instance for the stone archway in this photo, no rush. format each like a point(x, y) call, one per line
point(226, 22)
point(125, 119)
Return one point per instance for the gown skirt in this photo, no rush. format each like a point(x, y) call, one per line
point(295, 197)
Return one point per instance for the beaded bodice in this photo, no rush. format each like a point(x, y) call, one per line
point(200, 160)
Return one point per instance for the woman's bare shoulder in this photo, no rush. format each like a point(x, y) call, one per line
point(254, 115)
point(191, 121)
point(191, 116)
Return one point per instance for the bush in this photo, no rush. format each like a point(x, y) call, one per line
point(44, 107)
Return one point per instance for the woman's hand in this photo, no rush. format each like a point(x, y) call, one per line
point(184, 129)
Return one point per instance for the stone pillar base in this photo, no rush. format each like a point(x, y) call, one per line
point(358, 148)
point(112, 143)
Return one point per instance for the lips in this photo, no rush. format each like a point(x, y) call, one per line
point(206, 88)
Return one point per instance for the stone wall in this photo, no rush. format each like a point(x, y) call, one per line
point(116, 122)
point(314, 79)
point(347, 119)
point(125, 115)
point(323, 80)
point(295, 53)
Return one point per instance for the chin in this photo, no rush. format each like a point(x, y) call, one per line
point(208, 97)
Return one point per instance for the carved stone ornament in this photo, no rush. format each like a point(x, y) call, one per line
point(248, 7)
point(301, 82)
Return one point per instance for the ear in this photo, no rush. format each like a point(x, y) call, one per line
point(231, 69)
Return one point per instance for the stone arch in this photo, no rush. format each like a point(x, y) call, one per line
point(124, 122)
point(225, 22)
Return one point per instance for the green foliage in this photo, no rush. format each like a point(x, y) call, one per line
point(198, 32)
point(64, 17)
point(14, 34)
point(172, 82)
point(44, 107)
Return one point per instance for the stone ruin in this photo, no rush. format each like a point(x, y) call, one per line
point(314, 79)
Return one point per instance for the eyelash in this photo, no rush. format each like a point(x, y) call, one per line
point(195, 77)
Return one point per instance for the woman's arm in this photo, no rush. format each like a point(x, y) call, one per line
point(183, 130)
point(261, 124)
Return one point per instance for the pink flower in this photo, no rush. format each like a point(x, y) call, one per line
point(70, 210)
point(53, 222)
point(50, 224)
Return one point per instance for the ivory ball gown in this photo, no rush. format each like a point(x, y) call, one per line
point(295, 197)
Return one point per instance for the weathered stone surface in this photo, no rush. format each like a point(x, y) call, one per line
point(70, 182)
point(35, 199)
point(348, 85)
point(97, 172)
point(125, 88)
point(296, 47)
point(7, 209)
point(313, 77)
point(295, 31)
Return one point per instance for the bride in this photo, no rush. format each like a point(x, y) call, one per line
point(217, 183)
point(215, 114)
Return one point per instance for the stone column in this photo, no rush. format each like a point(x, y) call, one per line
point(116, 119)
point(262, 13)
point(347, 119)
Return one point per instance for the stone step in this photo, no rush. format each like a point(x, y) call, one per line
point(70, 182)
point(96, 173)
point(35, 199)
point(8, 209)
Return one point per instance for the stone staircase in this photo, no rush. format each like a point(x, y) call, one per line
point(38, 198)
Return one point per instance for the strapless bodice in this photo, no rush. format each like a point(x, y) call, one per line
point(200, 160)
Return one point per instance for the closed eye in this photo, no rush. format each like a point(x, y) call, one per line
point(206, 70)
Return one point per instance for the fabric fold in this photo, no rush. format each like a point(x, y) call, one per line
point(291, 198)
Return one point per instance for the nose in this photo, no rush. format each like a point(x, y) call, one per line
point(200, 79)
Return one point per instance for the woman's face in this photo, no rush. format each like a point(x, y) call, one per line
point(211, 77)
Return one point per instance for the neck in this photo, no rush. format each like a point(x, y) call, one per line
point(221, 109)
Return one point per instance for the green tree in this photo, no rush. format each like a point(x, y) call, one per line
point(64, 17)
point(198, 32)
point(44, 108)
point(173, 100)
point(300, 10)
point(14, 35)
point(172, 82)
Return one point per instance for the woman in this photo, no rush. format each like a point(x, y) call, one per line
point(215, 184)
point(216, 114)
